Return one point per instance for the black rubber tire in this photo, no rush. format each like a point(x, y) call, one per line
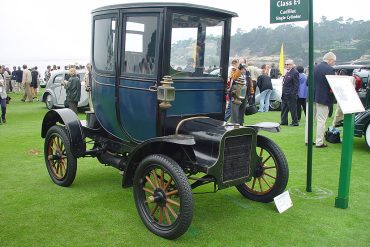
point(275, 105)
point(281, 173)
point(367, 135)
point(185, 215)
point(69, 161)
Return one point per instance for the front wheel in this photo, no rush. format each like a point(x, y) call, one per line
point(163, 196)
point(367, 135)
point(60, 162)
point(271, 174)
point(275, 105)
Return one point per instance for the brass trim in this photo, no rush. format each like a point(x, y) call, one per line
point(184, 120)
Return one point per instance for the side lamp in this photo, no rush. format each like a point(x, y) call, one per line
point(166, 93)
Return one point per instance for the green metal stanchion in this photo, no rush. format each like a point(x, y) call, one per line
point(341, 201)
point(310, 97)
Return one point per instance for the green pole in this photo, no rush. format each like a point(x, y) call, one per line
point(346, 160)
point(310, 95)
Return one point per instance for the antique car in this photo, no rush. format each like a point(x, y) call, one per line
point(362, 126)
point(55, 93)
point(362, 120)
point(361, 73)
point(158, 118)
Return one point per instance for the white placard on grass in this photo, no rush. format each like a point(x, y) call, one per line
point(345, 93)
point(283, 201)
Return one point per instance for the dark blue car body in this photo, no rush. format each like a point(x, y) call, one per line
point(158, 114)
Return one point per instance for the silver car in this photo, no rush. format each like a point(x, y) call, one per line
point(55, 93)
point(275, 98)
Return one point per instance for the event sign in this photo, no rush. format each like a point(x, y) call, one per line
point(345, 93)
point(283, 201)
point(288, 11)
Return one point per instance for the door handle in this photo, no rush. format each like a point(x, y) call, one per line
point(153, 88)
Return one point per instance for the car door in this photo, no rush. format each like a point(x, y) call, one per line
point(59, 90)
point(138, 107)
point(62, 91)
point(84, 95)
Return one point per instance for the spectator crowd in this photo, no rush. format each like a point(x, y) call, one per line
point(243, 80)
point(24, 80)
point(294, 93)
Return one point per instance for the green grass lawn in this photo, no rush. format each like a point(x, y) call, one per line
point(96, 211)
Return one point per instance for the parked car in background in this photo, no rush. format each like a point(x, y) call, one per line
point(275, 98)
point(42, 83)
point(362, 126)
point(361, 74)
point(215, 72)
point(55, 93)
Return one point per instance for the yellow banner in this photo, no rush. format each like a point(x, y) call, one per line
point(282, 62)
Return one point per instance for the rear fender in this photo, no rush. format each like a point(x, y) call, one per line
point(73, 125)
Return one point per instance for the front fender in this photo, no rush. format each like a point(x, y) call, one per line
point(72, 123)
point(174, 146)
point(267, 126)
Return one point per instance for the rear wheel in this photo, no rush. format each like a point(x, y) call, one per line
point(271, 174)
point(163, 196)
point(60, 162)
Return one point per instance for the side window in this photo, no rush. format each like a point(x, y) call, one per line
point(196, 44)
point(58, 79)
point(104, 38)
point(140, 45)
point(66, 76)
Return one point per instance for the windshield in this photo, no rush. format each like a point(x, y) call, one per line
point(195, 46)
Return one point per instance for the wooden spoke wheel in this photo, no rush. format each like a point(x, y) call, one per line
point(60, 162)
point(270, 177)
point(163, 196)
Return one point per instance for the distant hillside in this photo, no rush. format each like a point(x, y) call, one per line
point(348, 39)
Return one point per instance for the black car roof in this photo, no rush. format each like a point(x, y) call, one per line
point(184, 6)
point(350, 66)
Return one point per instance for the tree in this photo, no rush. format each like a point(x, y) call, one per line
point(350, 39)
